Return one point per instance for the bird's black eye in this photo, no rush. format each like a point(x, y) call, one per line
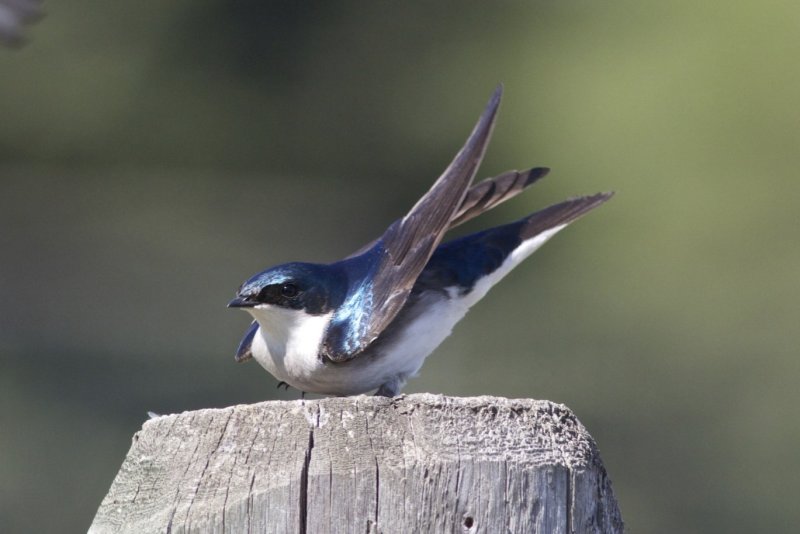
point(289, 291)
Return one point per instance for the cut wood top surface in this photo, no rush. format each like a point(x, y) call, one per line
point(366, 464)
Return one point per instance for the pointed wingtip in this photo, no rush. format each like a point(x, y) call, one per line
point(562, 213)
point(605, 195)
point(483, 129)
point(473, 150)
point(590, 202)
point(458, 175)
point(535, 174)
point(494, 100)
point(498, 90)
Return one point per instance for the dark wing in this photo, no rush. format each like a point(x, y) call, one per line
point(561, 213)
point(244, 352)
point(490, 192)
point(485, 195)
point(393, 264)
point(13, 15)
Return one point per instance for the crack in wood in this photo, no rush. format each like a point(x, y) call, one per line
point(304, 479)
point(377, 470)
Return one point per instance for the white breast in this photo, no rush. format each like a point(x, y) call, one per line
point(288, 342)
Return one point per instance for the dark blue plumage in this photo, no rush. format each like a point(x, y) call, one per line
point(369, 320)
point(463, 261)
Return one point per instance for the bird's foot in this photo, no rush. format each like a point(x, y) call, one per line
point(391, 388)
point(283, 384)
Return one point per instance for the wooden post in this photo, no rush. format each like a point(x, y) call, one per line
point(416, 463)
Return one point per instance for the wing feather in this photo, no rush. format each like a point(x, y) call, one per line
point(394, 262)
point(487, 194)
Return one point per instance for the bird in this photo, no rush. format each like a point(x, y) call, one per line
point(367, 323)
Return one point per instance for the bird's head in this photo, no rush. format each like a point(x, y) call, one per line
point(314, 289)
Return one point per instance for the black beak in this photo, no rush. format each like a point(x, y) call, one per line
point(241, 302)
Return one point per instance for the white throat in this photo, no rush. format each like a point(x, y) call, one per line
point(289, 333)
point(287, 344)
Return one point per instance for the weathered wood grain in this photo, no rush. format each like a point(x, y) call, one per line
point(416, 463)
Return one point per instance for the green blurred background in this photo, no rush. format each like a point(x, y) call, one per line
point(155, 154)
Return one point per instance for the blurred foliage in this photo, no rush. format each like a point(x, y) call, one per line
point(154, 155)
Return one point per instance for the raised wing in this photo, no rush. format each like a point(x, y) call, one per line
point(390, 268)
point(485, 195)
point(490, 192)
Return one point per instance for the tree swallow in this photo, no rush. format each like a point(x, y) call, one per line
point(369, 321)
